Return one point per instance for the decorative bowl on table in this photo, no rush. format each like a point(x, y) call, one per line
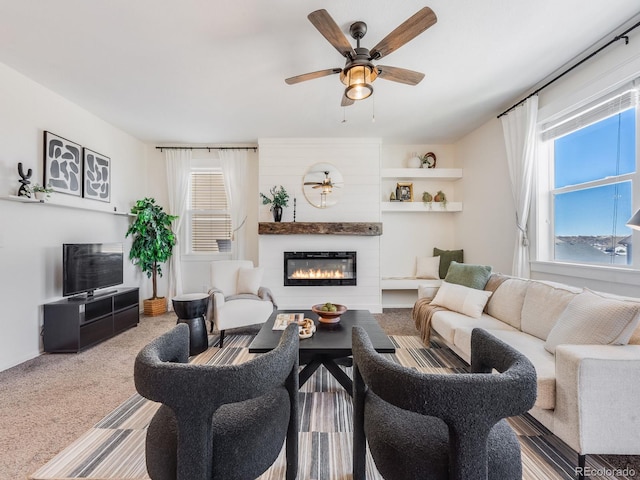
point(329, 316)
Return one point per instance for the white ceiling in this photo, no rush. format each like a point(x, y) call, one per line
point(212, 71)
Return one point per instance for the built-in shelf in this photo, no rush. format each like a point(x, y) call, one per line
point(15, 198)
point(446, 174)
point(421, 207)
point(320, 228)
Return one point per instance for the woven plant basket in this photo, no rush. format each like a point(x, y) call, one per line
point(156, 306)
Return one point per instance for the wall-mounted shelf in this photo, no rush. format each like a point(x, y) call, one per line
point(15, 198)
point(420, 207)
point(446, 174)
point(320, 228)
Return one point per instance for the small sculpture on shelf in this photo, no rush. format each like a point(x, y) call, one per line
point(24, 190)
point(428, 160)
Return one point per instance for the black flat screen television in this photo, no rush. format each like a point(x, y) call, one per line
point(89, 266)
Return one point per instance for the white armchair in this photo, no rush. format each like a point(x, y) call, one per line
point(236, 297)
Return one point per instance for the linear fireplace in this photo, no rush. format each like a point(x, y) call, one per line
point(319, 268)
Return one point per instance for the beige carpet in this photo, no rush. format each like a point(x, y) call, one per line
point(51, 401)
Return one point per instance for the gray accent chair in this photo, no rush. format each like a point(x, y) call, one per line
point(440, 426)
point(223, 421)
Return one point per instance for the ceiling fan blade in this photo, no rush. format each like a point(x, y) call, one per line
point(346, 101)
point(330, 30)
point(310, 76)
point(405, 32)
point(312, 183)
point(401, 75)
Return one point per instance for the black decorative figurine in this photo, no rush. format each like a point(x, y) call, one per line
point(24, 190)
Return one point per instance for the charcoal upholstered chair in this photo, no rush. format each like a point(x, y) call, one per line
point(219, 422)
point(236, 297)
point(449, 426)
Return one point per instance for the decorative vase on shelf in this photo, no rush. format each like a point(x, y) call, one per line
point(414, 161)
point(277, 213)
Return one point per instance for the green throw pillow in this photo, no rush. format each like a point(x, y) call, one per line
point(472, 276)
point(446, 257)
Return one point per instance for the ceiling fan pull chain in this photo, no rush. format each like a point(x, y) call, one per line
point(373, 109)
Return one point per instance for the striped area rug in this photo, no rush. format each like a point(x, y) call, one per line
point(114, 447)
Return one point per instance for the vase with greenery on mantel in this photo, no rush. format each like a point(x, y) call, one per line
point(278, 198)
point(153, 242)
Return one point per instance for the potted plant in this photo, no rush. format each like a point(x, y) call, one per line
point(41, 192)
point(278, 198)
point(441, 198)
point(153, 242)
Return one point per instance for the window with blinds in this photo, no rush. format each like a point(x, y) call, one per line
point(209, 218)
point(591, 172)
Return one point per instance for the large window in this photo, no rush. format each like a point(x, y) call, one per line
point(209, 225)
point(592, 168)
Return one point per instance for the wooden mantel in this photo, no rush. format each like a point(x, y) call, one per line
point(320, 228)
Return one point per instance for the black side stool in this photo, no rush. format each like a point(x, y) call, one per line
point(191, 309)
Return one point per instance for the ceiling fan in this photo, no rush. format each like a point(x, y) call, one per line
point(326, 184)
point(359, 71)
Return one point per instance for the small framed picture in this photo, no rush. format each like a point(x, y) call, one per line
point(404, 192)
point(62, 164)
point(97, 176)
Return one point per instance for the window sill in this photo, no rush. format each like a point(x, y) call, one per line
point(621, 275)
point(209, 257)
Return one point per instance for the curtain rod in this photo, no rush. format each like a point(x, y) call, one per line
point(255, 149)
point(622, 36)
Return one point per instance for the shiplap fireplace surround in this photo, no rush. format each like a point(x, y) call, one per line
point(285, 162)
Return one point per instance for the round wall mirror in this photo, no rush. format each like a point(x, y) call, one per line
point(322, 185)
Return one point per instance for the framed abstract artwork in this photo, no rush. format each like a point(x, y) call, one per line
point(97, 176)
point(62, 164)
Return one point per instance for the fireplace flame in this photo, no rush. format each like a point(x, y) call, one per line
point(317, 273)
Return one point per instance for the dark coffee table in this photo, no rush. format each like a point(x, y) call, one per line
point(329, 346)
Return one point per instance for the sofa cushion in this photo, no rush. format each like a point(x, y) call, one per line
point(543, 304)
point(591, 318)
point(545, 363)
point(446, 257)
point(506, 302)
point(428, 267)
point(469, 275)
point(446, 322)
point(461, 299)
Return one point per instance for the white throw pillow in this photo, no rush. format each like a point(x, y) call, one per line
point(428, 267)
point(591, 318)
point(461, 299)
point(249, 280)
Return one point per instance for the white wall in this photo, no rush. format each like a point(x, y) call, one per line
point(485, 229)
point(284, 162)
point(31, 235)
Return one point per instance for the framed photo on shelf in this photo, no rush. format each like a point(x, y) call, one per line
point(404, 192)
point(62, 164)
point(97, 176)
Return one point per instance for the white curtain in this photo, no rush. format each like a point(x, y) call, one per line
point(178, 168)
point(234, 168)
point(519, 127)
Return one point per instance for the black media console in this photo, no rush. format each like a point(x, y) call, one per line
point(73, 324)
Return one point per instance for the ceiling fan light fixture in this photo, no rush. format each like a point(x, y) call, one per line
point(358, 80)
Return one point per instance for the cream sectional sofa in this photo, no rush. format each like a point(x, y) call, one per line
point(588, 394)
